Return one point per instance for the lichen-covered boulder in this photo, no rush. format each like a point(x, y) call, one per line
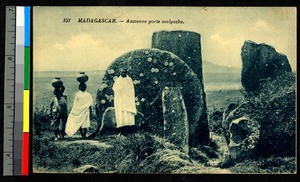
point(244, 136)
point(176, 126)
point(187, 46)
point(260, 62)
point(151, 70)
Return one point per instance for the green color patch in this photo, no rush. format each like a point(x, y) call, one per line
point(26, 68)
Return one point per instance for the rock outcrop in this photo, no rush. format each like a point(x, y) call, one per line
point(151, 70)
point(269, 106)
point(261, 62)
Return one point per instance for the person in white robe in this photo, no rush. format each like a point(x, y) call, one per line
point(79, 117)
point(124, 100)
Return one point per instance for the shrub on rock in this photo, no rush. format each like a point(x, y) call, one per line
point(274, 109)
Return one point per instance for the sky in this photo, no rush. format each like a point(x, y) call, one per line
point(74, 46)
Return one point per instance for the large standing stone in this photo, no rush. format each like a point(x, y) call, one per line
point(244, 136)
point(151, 70)
point(260, 62)
point(176, 126)
point(187, 46)
point(184, 44)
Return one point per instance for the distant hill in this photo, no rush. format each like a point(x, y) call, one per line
point(66, 73)
point(215, 77)
point(212, 73)
point(209, 67)
point(218, 77)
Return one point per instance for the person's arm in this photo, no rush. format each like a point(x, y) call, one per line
point(51, 106)
point(66, 103)
point(91, 110)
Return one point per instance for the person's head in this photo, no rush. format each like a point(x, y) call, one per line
point(123, 73)
point(62, 90)
point(82, 87)
point(57, 91)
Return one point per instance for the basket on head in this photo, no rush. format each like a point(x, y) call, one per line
point(82, 77)
point(56, 82)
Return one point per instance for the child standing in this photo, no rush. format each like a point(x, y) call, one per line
point(58, 109)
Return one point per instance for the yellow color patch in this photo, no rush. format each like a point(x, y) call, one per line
point(26, 111)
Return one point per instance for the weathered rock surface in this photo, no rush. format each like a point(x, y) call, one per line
point(87, 169)
point(187, 46)
point(176, 126)
point(109, 120)
point(244, 136)
point(151, 70)
point(260, 62)
point(233, 111)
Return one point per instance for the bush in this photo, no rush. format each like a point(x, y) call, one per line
point(46, 154)
point(284, 163)
point(76, 162)
point(215, 121)
point(41, 120)
point(274, 108)
point(133, 153)
point(269, 165)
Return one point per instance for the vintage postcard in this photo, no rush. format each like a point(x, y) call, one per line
point(191, 90)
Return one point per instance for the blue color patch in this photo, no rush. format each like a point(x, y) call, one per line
point(27, 25)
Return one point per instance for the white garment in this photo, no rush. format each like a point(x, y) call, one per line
point(124, 101)
point(80, 113)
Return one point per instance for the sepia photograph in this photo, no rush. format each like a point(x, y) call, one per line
point(176, 90)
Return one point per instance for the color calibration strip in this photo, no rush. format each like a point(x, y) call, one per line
point(16, 96)
point(21, 129)
point(26, 104)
